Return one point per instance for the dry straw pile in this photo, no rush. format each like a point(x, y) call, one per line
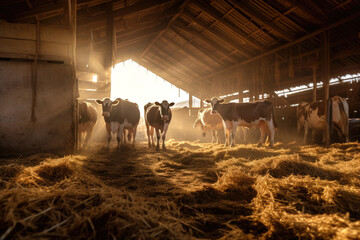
point(191, 191)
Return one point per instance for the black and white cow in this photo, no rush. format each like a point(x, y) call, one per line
point(87, 121)
point(312, 116)
point(120, 115)
point(258, 114)
point(158, 117)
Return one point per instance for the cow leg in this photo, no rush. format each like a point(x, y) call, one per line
point(120, 136)
point(152, 136)
point(166, 126)
point(148, 134)
point(213, 137)
point(217, 136)
point(245, 134)
point(233, 133)
point(157, 130)
point(271, 132)
point(88, 136)
point(134, 134)
point(263, 131)
point(227, 127)
point(306, 131)
point(108, 131)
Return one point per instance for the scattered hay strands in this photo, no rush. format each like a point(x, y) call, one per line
point(191, 191)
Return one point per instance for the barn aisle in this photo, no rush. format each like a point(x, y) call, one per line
point(192, 190)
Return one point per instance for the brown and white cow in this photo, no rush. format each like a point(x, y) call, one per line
point(209, 122)
point(87, 121)
point(157, 116)
point(258, 114)
point(120, 115)
point(312, 116)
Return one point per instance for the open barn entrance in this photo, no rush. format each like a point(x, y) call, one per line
point(131, 81)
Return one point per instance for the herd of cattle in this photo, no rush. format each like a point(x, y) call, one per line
point(123, 116)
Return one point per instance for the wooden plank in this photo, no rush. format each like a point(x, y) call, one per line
point(325, 67)
point(180, 8)
point(313, 34)
point(221, 36)
point(261, 19)
point(28, 31)
point(242, 34)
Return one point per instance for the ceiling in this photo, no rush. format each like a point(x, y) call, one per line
point(209, 47)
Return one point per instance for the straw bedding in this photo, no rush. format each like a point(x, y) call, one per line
point(191, 191)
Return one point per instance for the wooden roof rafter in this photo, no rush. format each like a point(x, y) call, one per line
point(225, 52)
point(205, 54)
point(180, 6)
point(243, 35)
point(219, 35)
point(277, 49)
point(257, 16)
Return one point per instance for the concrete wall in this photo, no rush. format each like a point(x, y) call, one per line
point(53, 129)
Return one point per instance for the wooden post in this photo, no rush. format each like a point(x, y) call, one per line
point(110, 45)
point(277, 72)
point(34, 71)
point(190, 101)
point(253, 90)
point(314, 83)
point(325, 61)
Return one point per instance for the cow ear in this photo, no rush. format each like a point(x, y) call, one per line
point(115, 102)
point(221, 100)
point(208, 101)
point(98, 101)
point(171, 104)
point(157, 104)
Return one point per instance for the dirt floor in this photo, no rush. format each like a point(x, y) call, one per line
point(190, 191)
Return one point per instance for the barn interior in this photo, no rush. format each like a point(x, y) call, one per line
point(239, 50)
point(285, 51)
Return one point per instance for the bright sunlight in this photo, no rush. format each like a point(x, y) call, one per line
point(131, 81)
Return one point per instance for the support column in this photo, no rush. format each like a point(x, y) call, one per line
point(314, 83)
point(325, 61)
point(109, 46)
point(190, 101)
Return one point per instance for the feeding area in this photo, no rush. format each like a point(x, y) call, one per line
point(179, 119)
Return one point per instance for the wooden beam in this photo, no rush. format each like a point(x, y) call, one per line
point(325, 67)
point(187, 51)
point(124, 39)
point(226, 53)
point(205, 53)
point(238, 31)
point(180, 11)
point(67, 12)
point(310, 35)
point(314, 83)
point(177, 62)
point(29, 4)
point(221, 36)
point(261, 19)
point(313, 14)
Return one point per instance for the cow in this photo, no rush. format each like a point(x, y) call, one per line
point(120, 115)
point(209, 122)
point(158, 117)
point(312, 116)
point(258, 114)
point(87, 121)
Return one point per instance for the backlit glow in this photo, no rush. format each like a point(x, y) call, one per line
point(131, 81)
point(95, 78)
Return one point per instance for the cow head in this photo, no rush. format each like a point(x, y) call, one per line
point(214, 104)
point(164, 107)
point(107, 104)
point(301, 112)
